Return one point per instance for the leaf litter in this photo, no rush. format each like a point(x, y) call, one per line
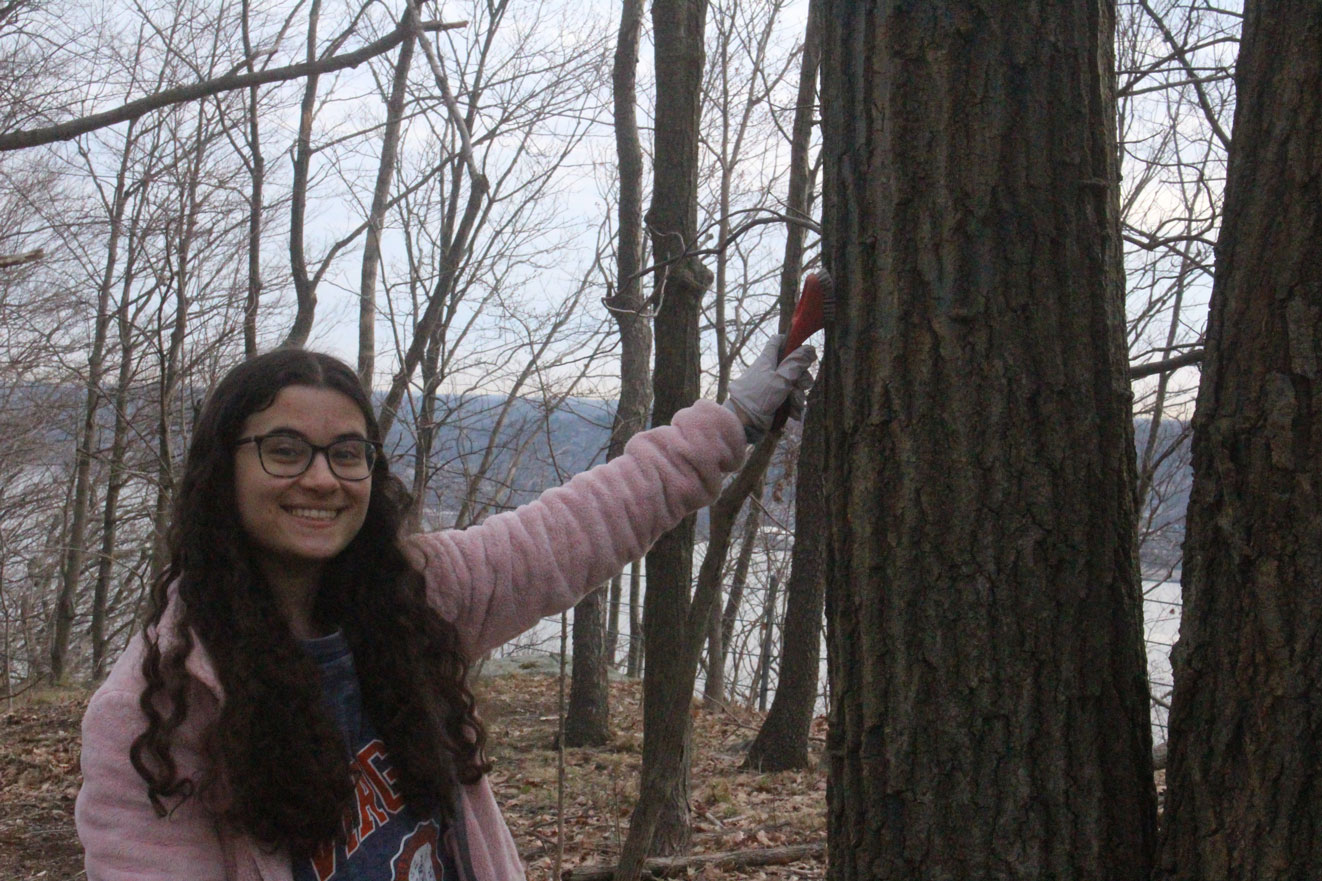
point(731, 809)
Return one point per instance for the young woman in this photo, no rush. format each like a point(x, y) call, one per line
point(295, 707)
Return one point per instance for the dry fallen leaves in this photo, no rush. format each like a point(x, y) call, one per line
point(732, 809)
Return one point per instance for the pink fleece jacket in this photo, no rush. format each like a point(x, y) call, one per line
point(493, 581)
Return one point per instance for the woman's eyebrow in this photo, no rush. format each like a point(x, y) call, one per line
point(287, 431)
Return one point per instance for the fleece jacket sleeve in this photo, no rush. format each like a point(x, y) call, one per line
point(122, 837)
point(497, 579)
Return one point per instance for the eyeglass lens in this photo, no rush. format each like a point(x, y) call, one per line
point(284, 456)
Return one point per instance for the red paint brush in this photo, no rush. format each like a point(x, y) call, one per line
point(816, 302)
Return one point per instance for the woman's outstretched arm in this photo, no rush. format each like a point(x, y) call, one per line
point(497, 579)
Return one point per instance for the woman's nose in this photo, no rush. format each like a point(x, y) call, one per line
point(319, 472)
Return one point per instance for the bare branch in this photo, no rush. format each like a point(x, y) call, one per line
point(1138, 371)
point(1195, 80)
point(8, 260)
point(735, 234)
point(132, 110)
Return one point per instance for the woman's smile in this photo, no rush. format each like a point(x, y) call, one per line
point(321, 514)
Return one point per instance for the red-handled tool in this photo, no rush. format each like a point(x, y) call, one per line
point(809, 317)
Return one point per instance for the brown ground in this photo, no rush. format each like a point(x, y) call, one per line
point(732, 809)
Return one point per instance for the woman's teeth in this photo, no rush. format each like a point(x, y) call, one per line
point(314, 513)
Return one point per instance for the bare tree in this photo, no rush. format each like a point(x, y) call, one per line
point(798, 204)
point(660, 819)
point(88, 432)
point(588, 719)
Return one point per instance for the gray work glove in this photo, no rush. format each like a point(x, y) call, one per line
point(769, 382)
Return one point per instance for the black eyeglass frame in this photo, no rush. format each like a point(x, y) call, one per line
point(257, 439)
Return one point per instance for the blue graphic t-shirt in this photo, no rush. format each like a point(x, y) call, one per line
point(384, 839)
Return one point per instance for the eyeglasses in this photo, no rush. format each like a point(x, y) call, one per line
point(285, 455)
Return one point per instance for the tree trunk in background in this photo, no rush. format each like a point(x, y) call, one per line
point(305, 289)
point(989, 703)
point(713, 685)
point(1245, 773)
point(739, 580)
point(614, 600)
point(376, 217)
point(172, 355)
point(588, 720)
point(257, 174)
point(763, 678)
point(660, 822)
point(85, 439)
point(782, 742)
point(424, 426)
point(105, 566)
point(633, 666)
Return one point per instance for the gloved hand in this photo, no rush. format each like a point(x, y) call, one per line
point(757, 395)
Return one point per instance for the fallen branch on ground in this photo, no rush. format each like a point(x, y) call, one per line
point(661, 867)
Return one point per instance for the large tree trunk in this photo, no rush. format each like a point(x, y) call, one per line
point(588, 720)
point(1245, 773)
point(989, 705)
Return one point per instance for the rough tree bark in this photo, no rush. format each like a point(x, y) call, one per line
point(588, 720)
point(1245, 769)
point(989, 705)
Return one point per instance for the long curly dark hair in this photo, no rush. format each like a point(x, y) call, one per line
point(278, 767)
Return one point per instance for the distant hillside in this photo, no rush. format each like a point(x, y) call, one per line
point(1161, 526)
point(545, 454)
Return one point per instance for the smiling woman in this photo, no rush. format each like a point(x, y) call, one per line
point(295, 707)
point(301, 509)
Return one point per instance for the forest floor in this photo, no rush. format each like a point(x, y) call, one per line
point(732, 810)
